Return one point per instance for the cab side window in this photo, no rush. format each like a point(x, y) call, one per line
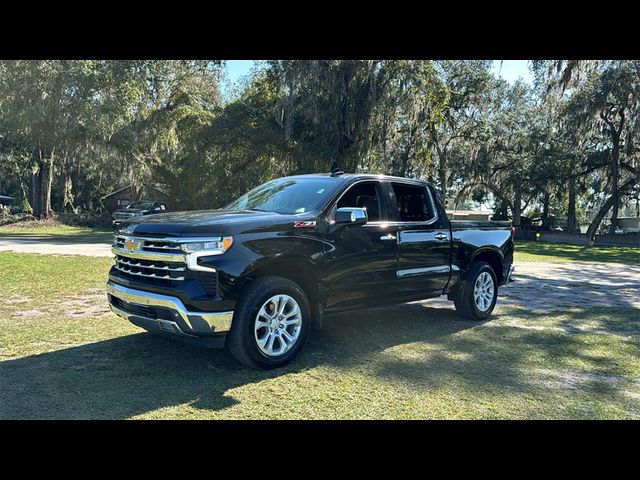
point(414, 203)
point(363, 195)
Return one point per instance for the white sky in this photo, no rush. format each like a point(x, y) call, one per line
point(510, 70)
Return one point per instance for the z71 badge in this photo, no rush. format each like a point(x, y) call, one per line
point(304, 224)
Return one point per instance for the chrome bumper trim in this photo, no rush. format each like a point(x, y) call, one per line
point(197, 322)
point(410, 272)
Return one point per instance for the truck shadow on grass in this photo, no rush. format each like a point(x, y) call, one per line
point(140, 373)
point(136, 374)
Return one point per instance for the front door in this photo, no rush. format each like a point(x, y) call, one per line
point(362, 261)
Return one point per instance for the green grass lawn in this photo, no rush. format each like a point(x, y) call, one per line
point(60, 233)
point(64, 355)
point(560, 253)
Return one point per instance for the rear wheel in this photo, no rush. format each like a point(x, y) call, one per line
point(477, 297)
point(270, 324)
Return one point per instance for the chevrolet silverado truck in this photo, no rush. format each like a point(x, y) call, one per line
point(256, 275)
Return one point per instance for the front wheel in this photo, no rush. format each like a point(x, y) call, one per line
point(477, 297)
point(270, 324)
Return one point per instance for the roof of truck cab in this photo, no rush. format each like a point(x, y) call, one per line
point(352, 176)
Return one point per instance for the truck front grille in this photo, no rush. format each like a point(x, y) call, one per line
point(123, 216)
point(149, 245)
point(150, 271)
point(159, 262)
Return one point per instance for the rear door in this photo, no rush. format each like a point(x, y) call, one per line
point(424, 242)
point(362, 261)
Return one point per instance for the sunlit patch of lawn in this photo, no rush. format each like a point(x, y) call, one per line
point(562, 252)
point(408, 361)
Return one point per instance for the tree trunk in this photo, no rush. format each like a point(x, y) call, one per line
point(615, 196)
point(615, 159)
point(42, 181)
point(35, 189)
point(442, 174)
point(572, 224)
point(517, 208)
point(67, 195)
point(442, 163)
point(595, 223)
point(545, 209)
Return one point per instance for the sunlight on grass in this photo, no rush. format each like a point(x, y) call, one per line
point(560, 252)
point(80, 361)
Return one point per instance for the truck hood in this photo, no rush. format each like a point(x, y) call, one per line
point(209, 222)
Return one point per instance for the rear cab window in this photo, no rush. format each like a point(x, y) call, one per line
point(414, 203)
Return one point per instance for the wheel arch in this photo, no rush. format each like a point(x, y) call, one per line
point(296, 268)
point(494, 258)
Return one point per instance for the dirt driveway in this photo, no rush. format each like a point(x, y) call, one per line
point(56, 248)
point(550, 286)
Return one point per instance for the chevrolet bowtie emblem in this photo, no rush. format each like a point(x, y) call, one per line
point(131, 245)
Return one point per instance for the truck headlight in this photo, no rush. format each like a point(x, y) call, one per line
point(210, 247)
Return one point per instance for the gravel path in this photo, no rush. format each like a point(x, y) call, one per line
point(59, 248)
point(549, 286)
point(538, 286)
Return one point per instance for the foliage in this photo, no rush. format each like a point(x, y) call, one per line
point(73, 131)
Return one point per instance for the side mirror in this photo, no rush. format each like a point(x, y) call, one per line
point(351, 216)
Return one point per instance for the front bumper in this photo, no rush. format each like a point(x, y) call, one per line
point(168, 315)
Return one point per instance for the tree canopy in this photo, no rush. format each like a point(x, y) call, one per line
point(72, 131)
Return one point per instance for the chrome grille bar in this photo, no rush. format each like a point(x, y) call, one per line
point(150, 245)
point(159, 247)
point(166, 268)
point(167, 249)
point(158, 256)
point(147, 275)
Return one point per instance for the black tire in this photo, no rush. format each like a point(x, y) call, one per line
point(465, 302)
point(241, 340)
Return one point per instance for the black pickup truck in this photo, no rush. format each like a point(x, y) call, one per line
point(136, 209)
point(256, 275)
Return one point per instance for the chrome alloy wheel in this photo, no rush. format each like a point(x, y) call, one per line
point(483, 291)
point(277, 326)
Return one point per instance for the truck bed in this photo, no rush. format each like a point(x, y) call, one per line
point(480, 224)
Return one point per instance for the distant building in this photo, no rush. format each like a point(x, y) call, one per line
point(4, 200)
point(629, 224)
point(469, 215)
point(123, 197)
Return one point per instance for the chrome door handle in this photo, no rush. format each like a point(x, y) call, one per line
point(388, 236)
point(441, 236)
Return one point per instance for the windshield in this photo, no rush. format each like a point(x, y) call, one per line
point(141, 205)
point(286, 195)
